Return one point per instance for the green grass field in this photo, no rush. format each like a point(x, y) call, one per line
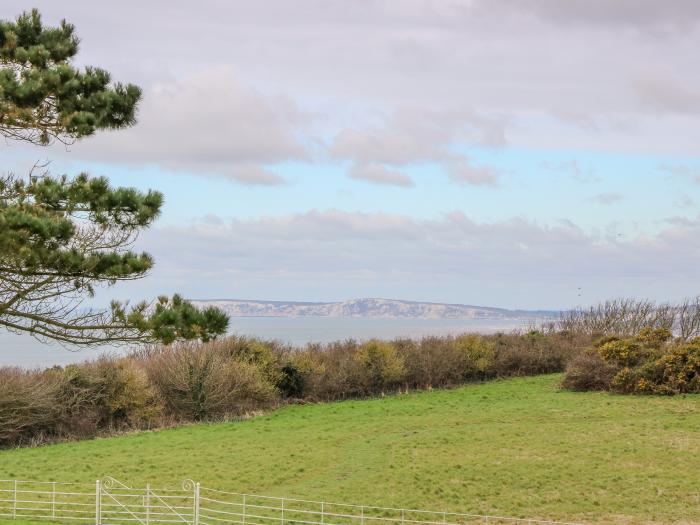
point(518, 447)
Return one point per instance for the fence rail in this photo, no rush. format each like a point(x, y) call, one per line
point(111, 502)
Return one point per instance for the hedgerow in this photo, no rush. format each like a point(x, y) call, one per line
point(232, 377)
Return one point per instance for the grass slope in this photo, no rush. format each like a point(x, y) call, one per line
point(518, 447)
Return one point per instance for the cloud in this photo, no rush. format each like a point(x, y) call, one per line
point(660, 90)
point(574, 169)
point(379, 174)
point(641, 14)
point(543, 67)
point(684, 171)
point(252, 175)
point(607, 198)
point(209, 123)
point(411, 136)
point(335, 254)
point(462, 171)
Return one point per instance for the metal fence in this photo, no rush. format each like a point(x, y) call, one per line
point(110, 502)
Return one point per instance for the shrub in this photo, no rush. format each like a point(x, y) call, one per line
point(158, 385)
point(382, 367)
point(649, 363)
point(264, 355)
point(107, 393)
point(291, 383)
point(588, 371)
point(623, 352)
point(128, 398)
point(654, 337)
point(533, 353)
point(476, 355)
point(624, 381)
point(332, 372)
point(197, 382)
point(430, 362)
point(27, 410)
point(677, 371)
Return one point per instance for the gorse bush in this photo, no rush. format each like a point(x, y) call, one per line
point(476, 356)
point(235, 376)
point(652, 362)
point(381, 367)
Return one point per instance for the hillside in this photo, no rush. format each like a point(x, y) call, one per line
point(518, 447)
point(376, 308)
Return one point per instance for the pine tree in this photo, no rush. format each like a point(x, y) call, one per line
point(61, 237)
point(43, 97)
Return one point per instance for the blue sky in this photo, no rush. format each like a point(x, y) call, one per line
point(636, 193)
point(499, 153)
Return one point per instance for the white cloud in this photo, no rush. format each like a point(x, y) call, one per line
point(639, 14)
point(334, 254)
point(209, 123)
point(550, 73)
point(462, 171)
point(660, 90)
point(416, 136)
point(379, 174)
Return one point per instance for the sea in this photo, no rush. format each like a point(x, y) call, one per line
point(26, 352)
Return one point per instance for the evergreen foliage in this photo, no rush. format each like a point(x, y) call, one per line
point(60, 238)
point(44, 97)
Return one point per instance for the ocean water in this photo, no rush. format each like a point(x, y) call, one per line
point(25, 351)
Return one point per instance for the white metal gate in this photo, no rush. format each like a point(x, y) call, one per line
point(120, 504)
point(111, 502)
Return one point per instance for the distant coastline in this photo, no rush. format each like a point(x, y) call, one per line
point(375, 308)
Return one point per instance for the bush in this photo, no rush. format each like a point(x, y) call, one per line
point(533, 353)
point(198, 382)
point(331, 372)
point(588, 371)
point(227, 378)
point(677, 371)
point(649, 363)
point(27, 410)
point(108, 393)
point(382, 367)
point(291, 383)
point(264, 355)
point(431, 362)
point(476, 355)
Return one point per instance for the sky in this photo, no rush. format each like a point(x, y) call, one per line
point(512, 153)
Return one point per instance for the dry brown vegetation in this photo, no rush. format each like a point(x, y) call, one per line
point(228, 378)
point(231, 377)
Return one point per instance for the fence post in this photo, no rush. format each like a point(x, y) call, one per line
point(14, 501)
point(98, 501)
point(147, 503)
point(53, 501)
point(444, 517)
point(243, 509)
point(362, 515)
point(402, 516)
point(282, 511)
point(323, 521)
point(196, 503)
